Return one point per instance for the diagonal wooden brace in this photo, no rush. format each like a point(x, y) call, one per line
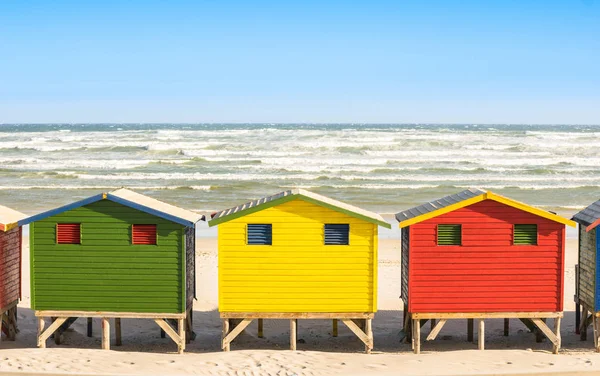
point(178, 338)
point(548, 332)
point(367, 339)
point(44, 335)
point(436, 330)
point(234, 333)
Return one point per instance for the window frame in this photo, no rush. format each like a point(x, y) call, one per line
point(437, 235)
point(537, 234)
point(144, 224)
point(270, 226)
point(335, 224)
point(65, 223)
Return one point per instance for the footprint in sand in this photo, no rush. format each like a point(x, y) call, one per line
point(543, 365)
point(376, 366)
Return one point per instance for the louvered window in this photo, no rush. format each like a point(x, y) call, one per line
point(144, 234)
point(449, 234)
point(337, 234)
point(260, 234)
point(525, 235)
point(68, 233)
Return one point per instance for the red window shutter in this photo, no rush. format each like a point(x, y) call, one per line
point(68, 233)
point(144, 234)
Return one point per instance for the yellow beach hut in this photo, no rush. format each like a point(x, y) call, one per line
point(297, 255)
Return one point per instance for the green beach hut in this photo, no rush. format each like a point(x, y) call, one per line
point(114, 255)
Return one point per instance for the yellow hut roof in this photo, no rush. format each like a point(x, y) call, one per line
point(292, 194)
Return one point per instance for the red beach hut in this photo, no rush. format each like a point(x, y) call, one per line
point(10, 269)
point(478, 255)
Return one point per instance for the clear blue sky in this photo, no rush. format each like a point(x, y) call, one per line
point(300, 61)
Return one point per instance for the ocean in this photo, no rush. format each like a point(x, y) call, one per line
point(384, 168)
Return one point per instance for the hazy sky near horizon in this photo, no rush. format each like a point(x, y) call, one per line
point(453, 61)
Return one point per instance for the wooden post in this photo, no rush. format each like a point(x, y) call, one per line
point(224, 334)
point(369, 333)
point(105, 334)
point(431, 324)
point(41, 324)
point(89, 326)
point(163, 334)
point(470, 326)
point(293, 331)
point(118, 332)
point(556, 347)
point(506, 325)
point(595, 331)
point(417, 336)
point(577, 317)
point(181, 344)
point(12, 323)
point(335, 328)
point(260, 328)
point(584, 323)
point(481, 335)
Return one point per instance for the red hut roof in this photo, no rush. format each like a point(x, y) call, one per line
point(465, 198)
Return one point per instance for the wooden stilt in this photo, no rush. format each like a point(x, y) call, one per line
point(118, 341)
point(181, 344)
point(408, 326)
point(595, 331)
point(577, 317)
point(481, 335)
point(417, 334)
point(584, 323)
point(224, 335)
point(335, 328)
point(41, 324)
point(12, 324)
point(412, 336)
point(189, 325)
point(89, 326)
point(105, 334)
point(470, 325)
point(506, 326)
point(293, 331)
point(163, 334)
point(260, 328)
point(556, 346)
point(369, 333)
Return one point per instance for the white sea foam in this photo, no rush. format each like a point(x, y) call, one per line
point(248, 160)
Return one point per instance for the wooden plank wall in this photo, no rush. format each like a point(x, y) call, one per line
point(487, 273)
point(587, 266)
point(10, 266)
point(405, 254)
point(297, 273)
point(190, 255)
point(106, 272)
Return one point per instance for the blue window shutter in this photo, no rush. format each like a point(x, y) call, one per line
point(260, 234)
point(337, 234)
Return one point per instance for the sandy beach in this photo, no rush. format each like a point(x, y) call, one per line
point(144, 352)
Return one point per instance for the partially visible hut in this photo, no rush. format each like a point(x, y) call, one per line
point(478, 255)
point(297, 255)
point(10, 269)
point(114, 255)
point(587, 275)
